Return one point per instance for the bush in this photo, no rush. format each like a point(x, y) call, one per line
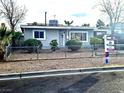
point(17, 38)
point(5, 39)
point(74, 45)
point(33, 44)
point(96, 41)
point(53, 44)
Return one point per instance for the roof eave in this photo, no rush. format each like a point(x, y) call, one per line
point(55, 27)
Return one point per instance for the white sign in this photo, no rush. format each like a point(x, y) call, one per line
point(109, 43)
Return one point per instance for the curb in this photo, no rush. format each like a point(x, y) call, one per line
point(60, 72)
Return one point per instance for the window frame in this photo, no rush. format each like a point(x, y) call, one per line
point(79, 32)
point(44, 33)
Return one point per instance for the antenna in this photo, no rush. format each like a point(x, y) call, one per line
point(54, 16)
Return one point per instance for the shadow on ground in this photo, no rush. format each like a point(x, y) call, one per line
point(64, 84)
point(81, 86)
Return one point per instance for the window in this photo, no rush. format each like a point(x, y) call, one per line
point(99, 33)
point(39, 34)
point(82, 36)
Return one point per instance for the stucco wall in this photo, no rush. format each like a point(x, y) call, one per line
point(50, 35)
point(57, 34)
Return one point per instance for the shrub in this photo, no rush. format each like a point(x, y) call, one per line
point(74, 45)
point(95, 41)
point(33, 44)
point(16, 38)
point(53, 44)
point(5, 39)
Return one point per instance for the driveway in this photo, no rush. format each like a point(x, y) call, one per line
point(85, 83)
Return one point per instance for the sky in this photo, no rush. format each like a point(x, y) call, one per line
point(80, 11)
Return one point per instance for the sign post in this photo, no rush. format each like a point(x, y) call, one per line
point(109, 45)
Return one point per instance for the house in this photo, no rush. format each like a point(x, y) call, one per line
point(118, 32)
point(64, 33)
point(61, 33)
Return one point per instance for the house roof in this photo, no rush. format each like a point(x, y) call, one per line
point(57, 27)
point(101, 30)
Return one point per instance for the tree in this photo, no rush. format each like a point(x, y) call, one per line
point(12, 12)
point(68, 22)
point(114, 9)
point(5, 39)
point(100, 23)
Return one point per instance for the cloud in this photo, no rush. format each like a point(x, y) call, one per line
point(80, 15)
point(75, 10)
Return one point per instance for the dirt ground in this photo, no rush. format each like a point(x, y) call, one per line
point(42, 65)
point(56, 60)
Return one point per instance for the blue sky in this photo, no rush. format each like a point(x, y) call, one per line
point(80, 11)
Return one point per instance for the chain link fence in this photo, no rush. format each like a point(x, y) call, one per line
point(35, 53)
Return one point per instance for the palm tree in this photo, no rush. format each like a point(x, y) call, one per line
point(5, 39)
point(68, 22)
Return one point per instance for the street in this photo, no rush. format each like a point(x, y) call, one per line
point(86, 83)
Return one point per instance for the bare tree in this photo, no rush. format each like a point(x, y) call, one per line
point(115, 11)
point(12, 12)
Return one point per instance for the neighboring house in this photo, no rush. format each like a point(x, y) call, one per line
point(61, 33)
point(118, 32)
point(100, 32)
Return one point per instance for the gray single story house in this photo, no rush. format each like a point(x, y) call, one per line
point(61, 33)
point(46, 33)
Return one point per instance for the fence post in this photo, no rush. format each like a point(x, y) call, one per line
point(6, 50)
point(65, 52)
point(116, 50)
point(92, 50)
point(37, 52)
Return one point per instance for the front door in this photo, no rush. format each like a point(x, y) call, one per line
point(63, 39)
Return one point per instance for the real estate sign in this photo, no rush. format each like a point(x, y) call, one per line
point(109, 43)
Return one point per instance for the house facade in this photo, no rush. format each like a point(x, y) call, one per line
point(64, 33)
point(61, 33)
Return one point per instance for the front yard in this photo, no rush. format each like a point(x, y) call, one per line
point(42, 65)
